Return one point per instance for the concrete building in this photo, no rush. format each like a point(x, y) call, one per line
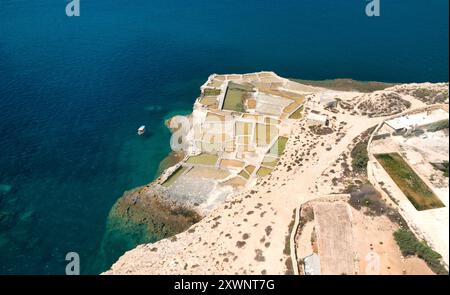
point(414, 121)
point(317, 119)
point(312, 264)
point(329, 101)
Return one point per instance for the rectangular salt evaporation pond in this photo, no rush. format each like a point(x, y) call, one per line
point(244, 128)
point(207, 172)
point(269, 161)
point(279, 146)
point(264, 134)
point(414, 188)
point(271, 105)
point(174, 176)
point(298, 114)
point(203, 159)
point(263, 171)
point(235, 96)
point(244, 174)
point(231, 164)
point(210, 101)
point(247, 171)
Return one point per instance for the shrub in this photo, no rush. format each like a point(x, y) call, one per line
point(440, 125)
point(445, 164)
point(409, 245)
point(406, 241)
point(360, 157)
point(442, 167)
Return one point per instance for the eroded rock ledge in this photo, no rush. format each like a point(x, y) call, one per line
point(247, 231)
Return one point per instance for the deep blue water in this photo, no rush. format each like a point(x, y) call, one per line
point(74, 90)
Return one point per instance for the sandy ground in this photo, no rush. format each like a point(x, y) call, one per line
point(304, 241)
point(355, 241)
point(433, 224)
point(374, 235)
point(248, 233)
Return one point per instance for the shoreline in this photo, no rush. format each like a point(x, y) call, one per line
point(141, 196)
point(347, 84)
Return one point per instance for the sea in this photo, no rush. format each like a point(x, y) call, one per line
point(74, 90)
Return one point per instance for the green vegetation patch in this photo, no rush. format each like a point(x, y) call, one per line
point(235, 97)
point(437, 126)
point(244, 174)
point(211, 92)
point(298, 114)
point(203, 159)
point(263, 171)
point(360, 157)
point(410, 246)
point(418, 193)
point(174, 176)
point(279, 146)
point(242, 87)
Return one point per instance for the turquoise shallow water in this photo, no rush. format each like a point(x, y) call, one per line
point(73, 91)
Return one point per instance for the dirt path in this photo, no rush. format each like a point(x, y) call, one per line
point(249, 234)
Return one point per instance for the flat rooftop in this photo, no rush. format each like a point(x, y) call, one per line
point(317, 117)
point(419, 119)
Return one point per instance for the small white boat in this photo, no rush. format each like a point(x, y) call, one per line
point(141, 130)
